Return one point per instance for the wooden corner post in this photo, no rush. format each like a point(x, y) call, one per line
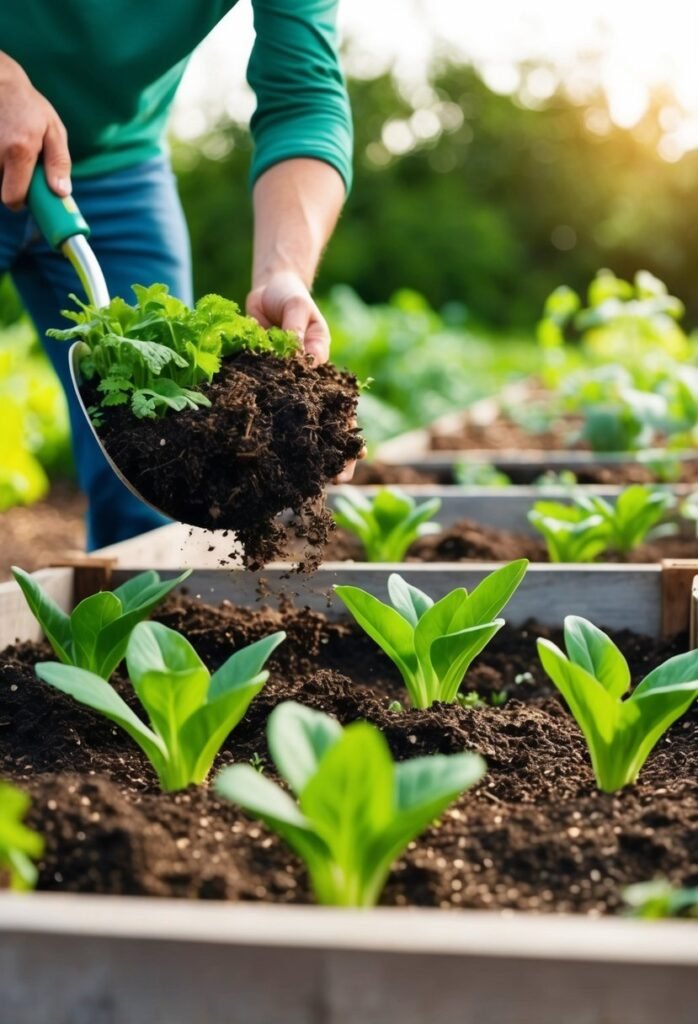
point(679, 597)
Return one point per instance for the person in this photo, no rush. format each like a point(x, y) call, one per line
point(87, 88)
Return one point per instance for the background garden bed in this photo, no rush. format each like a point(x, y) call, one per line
point(482, 435)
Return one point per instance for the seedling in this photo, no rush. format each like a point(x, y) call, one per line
point(571, 533)
point(590, 525)
point(565, 479)
point(355, 809)
point(664, 465)
point(156, 354)
point(593, 677)
point(94, 636)
point(479, 474)
point(191, 712)
point(387, 524)
point(433, 643)
point(660, 899)
point(473, 699)
point(470, 700)
point(19, 846)
point(633, 517)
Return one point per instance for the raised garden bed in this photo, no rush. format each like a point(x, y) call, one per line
point(483, 434)
point(535, 836)
point(491, 524)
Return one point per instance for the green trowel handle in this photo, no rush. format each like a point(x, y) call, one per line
point(58, 217)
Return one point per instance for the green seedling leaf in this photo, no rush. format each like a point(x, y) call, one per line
point(386, 626)
point(433, 644)
point(19, 845)
point(159, 351)
point(409, 601)
point(190, 712)
point(593, 676)
point(298, 740)
point(52, 619)
point(635, 514)
point(387, 524)
point(660, 899)
point(571, 534)
point(95, 635)
point(94, 692)
point(357, 810)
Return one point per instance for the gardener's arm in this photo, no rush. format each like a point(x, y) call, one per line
point(296, 205)
point(302, 164)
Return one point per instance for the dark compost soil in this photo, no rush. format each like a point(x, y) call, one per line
point(534, 835)
point(468, 540)
point(379, 473)
point(277, 432)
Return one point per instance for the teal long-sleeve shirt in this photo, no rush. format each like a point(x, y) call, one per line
point(111, 69)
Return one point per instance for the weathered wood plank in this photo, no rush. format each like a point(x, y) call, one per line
point(615, 597)
point(67, 958)
point(174, 546)
point(532, 462)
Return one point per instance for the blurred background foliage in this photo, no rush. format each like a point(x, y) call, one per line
point(471, 197)
point(468, 208)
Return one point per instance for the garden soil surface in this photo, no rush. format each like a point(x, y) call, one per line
point(278, 431)
point(38, 535)
point(468, 540)
point(503, 435)
point(535, 834)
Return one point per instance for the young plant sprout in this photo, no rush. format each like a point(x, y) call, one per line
point(355, 810)
point(479, 474)
point(581, 531)
point(94, 636)
point(191, 712)
point(19, 846)
point(433, 643)
point(593, 677)
point(552, 479)
point(659, 899)
point(633, 517)
point(387, 524)
point(571, 533)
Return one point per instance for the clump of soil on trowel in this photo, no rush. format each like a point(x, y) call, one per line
point(277, 432)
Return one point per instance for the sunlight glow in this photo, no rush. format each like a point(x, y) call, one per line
point(627, 48)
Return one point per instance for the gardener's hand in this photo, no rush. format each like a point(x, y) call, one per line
point(29, 126)
point(283, 300)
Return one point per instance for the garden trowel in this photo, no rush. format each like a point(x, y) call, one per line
point(65, 229)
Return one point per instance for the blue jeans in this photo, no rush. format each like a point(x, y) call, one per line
point(139, 236)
